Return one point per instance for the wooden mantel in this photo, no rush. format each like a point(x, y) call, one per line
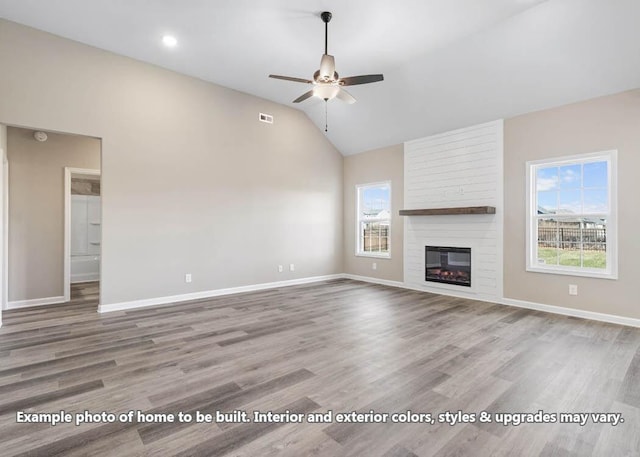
point(448, 211)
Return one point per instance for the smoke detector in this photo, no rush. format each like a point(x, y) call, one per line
point(40, 136)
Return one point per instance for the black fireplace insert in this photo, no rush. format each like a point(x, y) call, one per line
point(448, 265)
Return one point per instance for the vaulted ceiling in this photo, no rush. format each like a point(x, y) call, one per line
point(447, 63)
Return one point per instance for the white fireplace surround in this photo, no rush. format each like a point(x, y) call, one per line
point(456, 169)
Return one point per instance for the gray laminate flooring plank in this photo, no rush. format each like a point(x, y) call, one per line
point(342, 345)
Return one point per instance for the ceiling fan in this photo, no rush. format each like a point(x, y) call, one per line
point(326, 82)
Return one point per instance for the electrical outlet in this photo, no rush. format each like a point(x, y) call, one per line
point(292, 267)
point(374, 266)
point(187, 277)
point(573, 289)
point(280, 268)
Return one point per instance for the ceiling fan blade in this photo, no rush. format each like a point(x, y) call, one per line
point(327, 66)
point(364, 79)
point(290, 78)
point(303, 97)
point(346, 97)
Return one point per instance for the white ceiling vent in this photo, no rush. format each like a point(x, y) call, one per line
point(268, 118)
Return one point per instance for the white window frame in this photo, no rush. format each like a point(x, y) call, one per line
point(359, 248)
point(611, 272)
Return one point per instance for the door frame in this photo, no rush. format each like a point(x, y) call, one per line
point(68, 174)
point(4, 230)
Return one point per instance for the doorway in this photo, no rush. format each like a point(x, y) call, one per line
point(82, 232)
point(45, 170)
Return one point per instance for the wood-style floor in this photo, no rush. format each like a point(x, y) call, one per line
point(339, 345)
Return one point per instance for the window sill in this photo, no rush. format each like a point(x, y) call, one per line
point(375, 256)
point(569, 272)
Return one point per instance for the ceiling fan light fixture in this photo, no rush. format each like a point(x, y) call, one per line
point(326, 91)
point(327, 67)
point(326, 83)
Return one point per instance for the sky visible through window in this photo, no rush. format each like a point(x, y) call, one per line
point(573, 189)
point(375, 199)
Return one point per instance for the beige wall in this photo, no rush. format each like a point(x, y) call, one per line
point(192, 182)
point(3, 157)
point(386, 164)
point(600, 124)
point(36, 208)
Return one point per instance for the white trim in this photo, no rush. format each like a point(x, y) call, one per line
point(373, 255)
point(211, 293)
point(569, 271)
point(405, 225)
point(381, 255)
point(601, 317)
point(594, 316)
point(35, 302)
point(573, 312)
point(68, 172)
point(384, 282)
point(499, 211)
point(611, 272)
point(4, 294)
point(402, 285)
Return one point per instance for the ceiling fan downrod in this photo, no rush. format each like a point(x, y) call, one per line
point(326, 17)
point(326, 84)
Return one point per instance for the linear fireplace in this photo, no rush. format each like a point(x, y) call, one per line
point(448, 265)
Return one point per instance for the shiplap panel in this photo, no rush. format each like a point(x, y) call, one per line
point(458, 155)
point(469, 134)
point(459, 168)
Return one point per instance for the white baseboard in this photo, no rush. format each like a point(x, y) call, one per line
point(601, 317)
point(592, 315)
point(384, 282)
point(610, 318)
point(34, 302)
point(211, 293)
point(439, 291)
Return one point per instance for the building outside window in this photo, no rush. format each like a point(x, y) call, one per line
point(572, 215)
point(373, 224)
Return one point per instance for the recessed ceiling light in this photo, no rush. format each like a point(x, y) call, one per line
point(169, 41)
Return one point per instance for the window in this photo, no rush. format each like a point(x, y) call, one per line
point(572, 215)
point(373, 220)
